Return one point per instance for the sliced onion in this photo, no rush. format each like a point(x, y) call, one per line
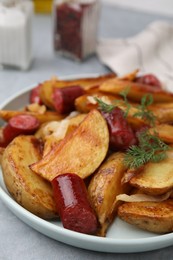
point(143, 197)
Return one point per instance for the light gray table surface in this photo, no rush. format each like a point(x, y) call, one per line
point(17, 240)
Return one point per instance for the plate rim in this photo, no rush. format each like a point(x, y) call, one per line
point(111, 245)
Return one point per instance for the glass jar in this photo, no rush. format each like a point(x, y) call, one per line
point(75, 27)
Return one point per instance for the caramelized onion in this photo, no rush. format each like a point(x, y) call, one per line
point(143, 197)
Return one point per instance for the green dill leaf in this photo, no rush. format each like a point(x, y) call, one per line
point(146, 100)
point(159, 157)
point(144, 112)
point(124, 94)
point(104, 106)
point(134, 157)
point(108, 108)
point(150, 148)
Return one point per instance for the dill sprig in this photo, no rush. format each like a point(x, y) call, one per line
point(104, 106)
point(144, 112)
point(124, 94)
point(109, 107)
point(149, 149)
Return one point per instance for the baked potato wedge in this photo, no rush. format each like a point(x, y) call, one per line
point(6, 115)
point(155, 217)
point(104, 186)
point(136, 90)
point(27, 188)
point(155, 178)
point(2, 149)
point(164, 132)
point(63, 128)
point(130, 76)
point(80, 152)
point(163, 112)
point(86, 103)
point(60, 127)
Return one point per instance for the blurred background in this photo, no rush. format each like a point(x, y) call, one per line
point(152, 6)
point(119, 19)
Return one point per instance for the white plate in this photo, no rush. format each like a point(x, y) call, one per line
point(121, 237)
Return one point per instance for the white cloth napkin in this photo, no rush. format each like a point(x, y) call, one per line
point(151, 51)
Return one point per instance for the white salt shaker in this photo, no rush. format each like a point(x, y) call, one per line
point(15, 33)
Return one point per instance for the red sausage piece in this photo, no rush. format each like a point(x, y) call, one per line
point(64, 98)
point(20, 124)
point(72, 203)
point(149, 79)
point(35, 95)
point(121, 133)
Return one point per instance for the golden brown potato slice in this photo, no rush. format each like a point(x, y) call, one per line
point(1, 153)
point(135, 122)
point(136, 90)
point(163, 112)
point(131, 76)
point(86, 83)
point(61, 131)
point(6, 115)
point(86, 103)
point(80, 152)
point(27, 188)
point(155, 178)
point(152, 216)
point(164, 132)
point(74, 122)
point(58, 128)
point(105, 185)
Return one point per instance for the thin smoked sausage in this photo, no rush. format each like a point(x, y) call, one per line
point(121, 133)
point(72, 203)
point(20, 124)
point(63, 98)
point(35, 95)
